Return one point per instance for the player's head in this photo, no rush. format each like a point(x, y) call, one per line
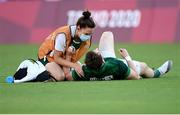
point(93, 60)
point(85, 26)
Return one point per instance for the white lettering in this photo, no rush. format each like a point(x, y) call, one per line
point(111, 19)
point(106, 78)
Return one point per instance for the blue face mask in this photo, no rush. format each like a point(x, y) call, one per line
point(84, 37)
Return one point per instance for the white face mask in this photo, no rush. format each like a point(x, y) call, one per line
point(84, 37)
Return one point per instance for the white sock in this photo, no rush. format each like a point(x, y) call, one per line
point(166, 67)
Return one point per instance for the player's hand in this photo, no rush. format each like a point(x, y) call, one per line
point(67, 73)
point(78, 69)
point(96, 50)
point(123, 52)
point(71, 50)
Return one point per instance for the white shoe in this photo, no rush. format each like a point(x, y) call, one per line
point(166, 67)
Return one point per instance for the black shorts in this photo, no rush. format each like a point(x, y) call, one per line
point(44, 76)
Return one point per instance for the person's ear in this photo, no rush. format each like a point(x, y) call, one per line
point(78, 28)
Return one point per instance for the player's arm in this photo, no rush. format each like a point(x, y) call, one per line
point(70, 51)
point(58, 54)
point(63, 62)
point(133, 74)
point(81, 51)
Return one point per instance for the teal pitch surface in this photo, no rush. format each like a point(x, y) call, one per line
point(160, 95)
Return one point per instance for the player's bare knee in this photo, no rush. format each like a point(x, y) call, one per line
point(60, 77)
point(136, 76)
point(144, 66)
point(69, 77)
point(133, 75)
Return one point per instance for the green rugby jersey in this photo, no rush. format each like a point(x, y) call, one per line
point(112, 69)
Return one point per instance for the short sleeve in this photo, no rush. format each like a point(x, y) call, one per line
point(60, 43)
point(125, 70)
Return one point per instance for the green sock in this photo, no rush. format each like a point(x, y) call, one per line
point(157, 74)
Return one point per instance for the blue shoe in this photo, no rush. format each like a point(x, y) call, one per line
point(10, 79)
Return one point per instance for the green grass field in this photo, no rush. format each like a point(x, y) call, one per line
point(160, 95)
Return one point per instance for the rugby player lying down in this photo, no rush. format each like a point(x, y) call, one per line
point(102, 64)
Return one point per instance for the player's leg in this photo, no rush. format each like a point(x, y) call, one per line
point(106, 45)
point(133, 75)
point(148, 72)
point(55, 70)
point(137, 64)
point(145, 70)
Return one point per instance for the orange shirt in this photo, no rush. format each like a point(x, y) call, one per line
point(48, 46)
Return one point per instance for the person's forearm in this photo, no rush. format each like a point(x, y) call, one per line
point(64, 62)
point(130, 63)
point(66, 70)
point(124, 53)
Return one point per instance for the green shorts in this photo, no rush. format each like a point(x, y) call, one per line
point(44, 61)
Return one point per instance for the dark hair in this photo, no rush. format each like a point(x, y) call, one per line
point(85, 20)
point(93, 60)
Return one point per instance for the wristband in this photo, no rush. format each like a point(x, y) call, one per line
point(128, 58)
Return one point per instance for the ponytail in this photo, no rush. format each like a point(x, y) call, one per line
point(86, 20)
